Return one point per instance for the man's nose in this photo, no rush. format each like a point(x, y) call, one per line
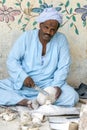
point(48, 31)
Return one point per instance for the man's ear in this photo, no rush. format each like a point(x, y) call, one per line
point(40, 25)
point(58, 25)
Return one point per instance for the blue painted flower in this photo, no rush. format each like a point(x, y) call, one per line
point(42, 7)
point(83, 11)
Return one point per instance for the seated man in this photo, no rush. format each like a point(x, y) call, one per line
point(39, 57)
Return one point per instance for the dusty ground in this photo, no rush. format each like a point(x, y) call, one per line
point(15, 123)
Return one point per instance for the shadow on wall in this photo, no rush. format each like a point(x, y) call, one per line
point(78, 73)
point(4, 50)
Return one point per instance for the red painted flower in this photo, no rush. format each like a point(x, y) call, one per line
point(8, 14)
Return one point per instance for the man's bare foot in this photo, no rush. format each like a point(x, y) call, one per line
point(25, 102)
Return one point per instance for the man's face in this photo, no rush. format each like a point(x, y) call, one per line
point(48, 29)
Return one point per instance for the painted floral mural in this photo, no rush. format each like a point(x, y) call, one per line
point(24, 15)
point(8, 14)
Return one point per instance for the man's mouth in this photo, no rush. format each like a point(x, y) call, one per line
point(47, 35)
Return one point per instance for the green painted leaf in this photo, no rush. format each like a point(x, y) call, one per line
point(58, 8)
point(74, 18)
point(71, 10)
point(37, 10)
point(61, 25)
point(67, 17)
point(61, 4)
point(84, 23)
point(40, 1)
point(23, 29)
point(19, 21)
point(50, 5)
point(67, 4)
point(27, 19)
point(78, 5)
point(24, 25)
point(28, 4)
point(34, 23)
point(34, 28)
point(3, 1)
point(76, 31)
point(71, 24)
point(63, 11)
point(18, 4)
point(45, 5)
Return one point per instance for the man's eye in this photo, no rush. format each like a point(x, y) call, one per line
point(46, 27)
point(53, 30)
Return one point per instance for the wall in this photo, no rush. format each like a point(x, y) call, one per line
point(19, 15)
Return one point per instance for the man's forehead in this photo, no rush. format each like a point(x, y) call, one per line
point(51, 22)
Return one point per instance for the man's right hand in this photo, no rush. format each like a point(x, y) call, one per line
point(28, 82)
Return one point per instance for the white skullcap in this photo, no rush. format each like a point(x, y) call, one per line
point(49, 14)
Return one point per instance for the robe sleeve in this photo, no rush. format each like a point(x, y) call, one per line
point(64, 61)
point(14, 63)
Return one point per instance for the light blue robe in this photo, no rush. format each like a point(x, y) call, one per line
point(25, 59)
